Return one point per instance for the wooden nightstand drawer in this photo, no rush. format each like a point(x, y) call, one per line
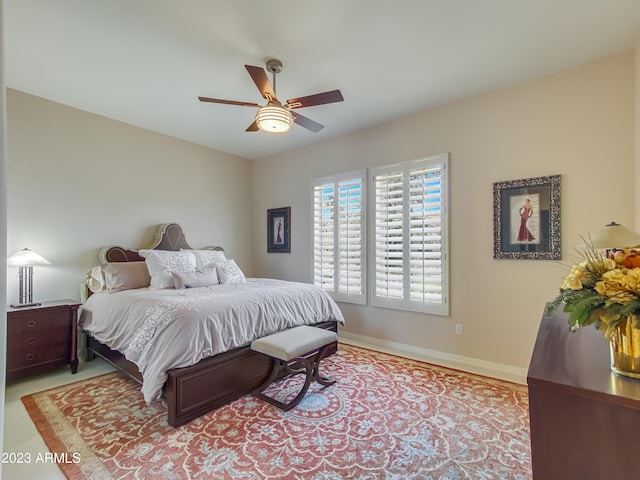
point(51, 356)
point(38, 339)
point(42, 337)
point(41, 320)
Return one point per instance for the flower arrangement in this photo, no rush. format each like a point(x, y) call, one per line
point(602, 291)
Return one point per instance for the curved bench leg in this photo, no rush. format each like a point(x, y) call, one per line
point(276, 367)
point(310, 367)
point(321, 379)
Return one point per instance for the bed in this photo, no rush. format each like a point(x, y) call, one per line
point(192, 345)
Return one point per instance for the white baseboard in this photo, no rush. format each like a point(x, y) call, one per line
point(458, 362)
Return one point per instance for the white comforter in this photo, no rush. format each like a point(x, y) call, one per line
point(163, 329)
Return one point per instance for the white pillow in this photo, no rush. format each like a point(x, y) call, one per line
point(208, 258)
point(95, 280)
point(229, 272)
point(162, 262)
point(197, 278)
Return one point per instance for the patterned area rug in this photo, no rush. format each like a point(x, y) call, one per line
point(386, 418)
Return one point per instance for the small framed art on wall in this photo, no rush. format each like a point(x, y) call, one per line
point(279, 230)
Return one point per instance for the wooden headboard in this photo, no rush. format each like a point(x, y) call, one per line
point(169, 236)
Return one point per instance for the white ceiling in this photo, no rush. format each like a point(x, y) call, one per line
point(145, 62)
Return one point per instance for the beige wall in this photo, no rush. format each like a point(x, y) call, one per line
point(77, 182)
point(577, 123)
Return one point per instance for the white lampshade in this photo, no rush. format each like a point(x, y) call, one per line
point(614, 235)
point(274, 118)
point(26, 257)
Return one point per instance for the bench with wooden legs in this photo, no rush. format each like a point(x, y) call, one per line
point(297, 350)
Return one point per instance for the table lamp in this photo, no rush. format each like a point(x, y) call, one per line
point(614, 235)
point(25, 259)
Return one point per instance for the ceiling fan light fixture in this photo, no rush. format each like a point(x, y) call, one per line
point(274, 118)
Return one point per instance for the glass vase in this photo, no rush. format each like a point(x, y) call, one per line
point(625, 350)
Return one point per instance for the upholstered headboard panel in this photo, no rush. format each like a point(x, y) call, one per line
point(168, 237)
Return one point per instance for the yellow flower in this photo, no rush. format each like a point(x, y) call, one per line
point(576, 278)
point(634, 273)
point(620, 285)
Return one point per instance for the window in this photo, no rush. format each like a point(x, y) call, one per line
point(409, 236)
point(339, 236)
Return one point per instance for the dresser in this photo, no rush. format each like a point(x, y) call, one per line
point(42, 337)
point(585, 419)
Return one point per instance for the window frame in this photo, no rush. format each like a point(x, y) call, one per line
point(405, 303)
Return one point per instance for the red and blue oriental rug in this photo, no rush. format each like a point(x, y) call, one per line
point(385, 418)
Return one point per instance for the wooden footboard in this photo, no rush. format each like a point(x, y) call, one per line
point(211, 383)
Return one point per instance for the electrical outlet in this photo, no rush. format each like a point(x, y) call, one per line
point(458, 329)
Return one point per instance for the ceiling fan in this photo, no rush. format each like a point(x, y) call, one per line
point(274, 117)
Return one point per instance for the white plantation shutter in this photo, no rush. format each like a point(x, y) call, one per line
point(339, 236)
point(323, 234)
point(389, 235)
point(409, 231)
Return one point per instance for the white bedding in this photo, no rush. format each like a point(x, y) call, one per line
point(163, 329)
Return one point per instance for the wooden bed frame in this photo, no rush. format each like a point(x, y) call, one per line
point(211, 383)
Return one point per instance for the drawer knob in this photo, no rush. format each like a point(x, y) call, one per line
point(31, 340)
point(31, 323)
point(30, 357)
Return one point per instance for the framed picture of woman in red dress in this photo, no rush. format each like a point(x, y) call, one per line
point(279, 230)
point(527, 218)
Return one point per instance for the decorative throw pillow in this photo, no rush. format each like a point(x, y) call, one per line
point(162, 262)
point(208, 258)
point(126, 275)
point(95, 280)
point(229, 272)
point(197, 278)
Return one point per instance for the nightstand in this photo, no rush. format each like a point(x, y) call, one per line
point(42, 337)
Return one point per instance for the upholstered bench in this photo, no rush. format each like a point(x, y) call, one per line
point(304, 346)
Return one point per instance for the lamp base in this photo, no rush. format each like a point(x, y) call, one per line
point(29, 304)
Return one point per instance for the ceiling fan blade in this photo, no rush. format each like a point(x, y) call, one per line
point(253, 127)
point(317, 99)
point(261, 80)
point(307, 123)
point(228, 102)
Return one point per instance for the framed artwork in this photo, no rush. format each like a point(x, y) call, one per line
point(526, 218)
point(279, 230)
